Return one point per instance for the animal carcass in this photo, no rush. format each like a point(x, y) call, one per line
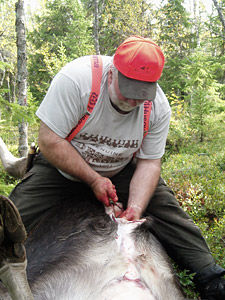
point(78, 252)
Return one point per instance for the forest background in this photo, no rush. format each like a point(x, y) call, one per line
point(193, 40)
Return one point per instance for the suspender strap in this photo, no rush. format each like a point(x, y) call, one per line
point(96, 66)
point(147, 112)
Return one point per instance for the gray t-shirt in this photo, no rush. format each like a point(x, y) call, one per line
point(108, 139)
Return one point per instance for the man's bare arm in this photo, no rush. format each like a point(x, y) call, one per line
point(60, 153)
point(142, 187)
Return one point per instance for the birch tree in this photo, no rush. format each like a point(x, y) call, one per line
point(21, 73)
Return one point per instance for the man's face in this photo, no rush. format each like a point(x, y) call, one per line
point(124, 105)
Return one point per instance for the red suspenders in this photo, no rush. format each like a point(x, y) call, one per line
point(147, 112)
point(96, 65)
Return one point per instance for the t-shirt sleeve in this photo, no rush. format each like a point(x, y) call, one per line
point(62, 106)
point(153, 145)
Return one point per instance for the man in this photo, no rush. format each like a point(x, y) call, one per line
point(100, 156)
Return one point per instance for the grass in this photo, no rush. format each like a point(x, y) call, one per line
point(196, 173)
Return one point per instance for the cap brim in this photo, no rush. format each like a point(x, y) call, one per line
point(136, 89)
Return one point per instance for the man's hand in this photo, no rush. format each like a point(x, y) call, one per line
point(142, 187)
point(132, 213)
point(104, 190)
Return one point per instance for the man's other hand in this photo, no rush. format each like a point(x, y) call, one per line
point(132, 213)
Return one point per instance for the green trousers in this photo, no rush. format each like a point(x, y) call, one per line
point(43, 187)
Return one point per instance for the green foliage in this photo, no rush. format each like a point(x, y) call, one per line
point(177, 103)
point(7, 183)
point(186, 281)
point(218, 69)
point(118, 21)
point(51, 63)
point(8, 34)
point(174, 29)
point(214, 34)
point(13, 113)
point(194, 96)
point(61, 34)
point(7, 48)
point(196, 174)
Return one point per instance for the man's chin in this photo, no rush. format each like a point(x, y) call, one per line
point(123, 109)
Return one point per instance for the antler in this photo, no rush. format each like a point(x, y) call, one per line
point(12, 251)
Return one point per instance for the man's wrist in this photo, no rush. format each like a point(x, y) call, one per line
point(92, 180)
point(135, 207)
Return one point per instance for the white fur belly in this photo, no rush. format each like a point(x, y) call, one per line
point(115, 268)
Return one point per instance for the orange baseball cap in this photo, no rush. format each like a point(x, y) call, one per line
point(140, 64)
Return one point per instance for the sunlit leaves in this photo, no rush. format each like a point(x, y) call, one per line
point(121, 19)
point(61, 34)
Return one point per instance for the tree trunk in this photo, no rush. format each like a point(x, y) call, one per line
point(96, 27)
point(2, 72)
point(196, 21)
point(221, 16)
point(21, 73)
